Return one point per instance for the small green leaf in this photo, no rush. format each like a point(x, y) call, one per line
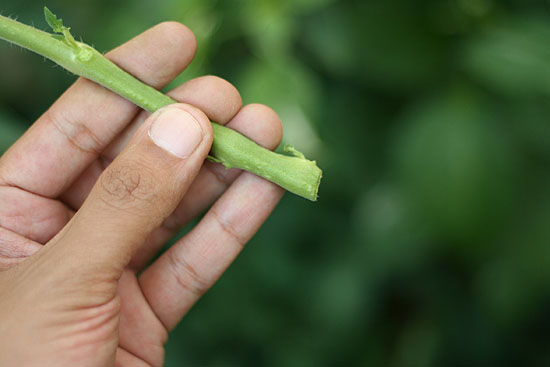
point(55, 24)
point(58, 27)
point(290, 149)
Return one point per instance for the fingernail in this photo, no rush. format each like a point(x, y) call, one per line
point(176, 131)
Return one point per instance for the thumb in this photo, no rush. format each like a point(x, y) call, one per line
point(139, 189)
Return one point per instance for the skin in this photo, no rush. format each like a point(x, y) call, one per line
point(88, 200)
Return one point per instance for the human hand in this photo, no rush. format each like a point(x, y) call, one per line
point(94, 189)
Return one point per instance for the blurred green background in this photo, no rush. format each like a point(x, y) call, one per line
point(430, 244)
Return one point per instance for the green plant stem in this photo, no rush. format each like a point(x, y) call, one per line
point(294, 173)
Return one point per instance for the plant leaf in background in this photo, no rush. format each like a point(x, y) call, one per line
point(11, 128)
point(512, 57)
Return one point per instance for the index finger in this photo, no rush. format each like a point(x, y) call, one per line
point(83, 121)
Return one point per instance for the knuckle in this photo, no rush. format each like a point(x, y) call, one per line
point(229, 230)
point(128, 185)
point(186, 276)
point(77, 133)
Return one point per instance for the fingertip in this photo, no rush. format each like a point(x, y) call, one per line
point(259, 123)
point(157, 55)
point(233, 100)
point(218, 98)
point(180, 38)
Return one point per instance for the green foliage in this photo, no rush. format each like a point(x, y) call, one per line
point(55, 24)
point(429, 244)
